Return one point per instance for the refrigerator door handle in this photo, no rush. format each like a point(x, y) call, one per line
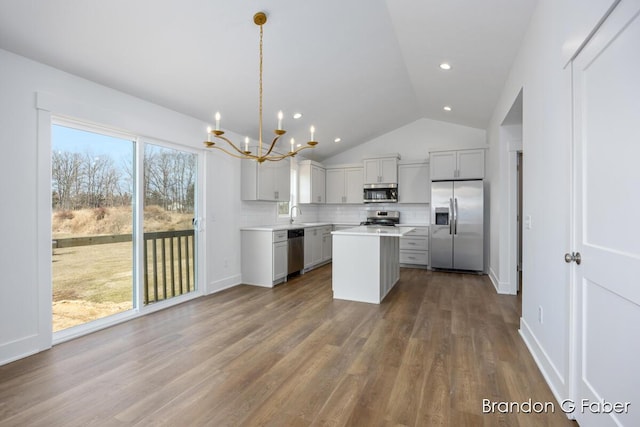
point(451, 215)
point(455, 216)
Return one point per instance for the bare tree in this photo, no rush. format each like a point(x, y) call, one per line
point(65, 171)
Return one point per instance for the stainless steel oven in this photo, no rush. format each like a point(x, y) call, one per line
point(380, 193)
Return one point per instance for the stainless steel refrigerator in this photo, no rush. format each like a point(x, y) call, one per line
point(457, 230)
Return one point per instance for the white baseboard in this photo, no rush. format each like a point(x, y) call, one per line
point(224, 283)
point(501, 287)
point(15, 350)
point(549, 371)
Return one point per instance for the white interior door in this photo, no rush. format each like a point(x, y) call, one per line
point(607, 234)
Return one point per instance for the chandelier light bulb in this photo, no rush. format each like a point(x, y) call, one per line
point(280, 116)
point(218, 121)
point(312, 130)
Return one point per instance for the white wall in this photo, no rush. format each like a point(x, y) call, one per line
point(414, 141)
point(540, 72)
point(23, 325)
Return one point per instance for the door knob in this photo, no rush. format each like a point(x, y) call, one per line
point(573, 256)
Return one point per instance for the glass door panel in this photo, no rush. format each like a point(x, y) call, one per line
point(92, 223)
point(169, 212)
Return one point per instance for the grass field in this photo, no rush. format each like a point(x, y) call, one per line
point(91, 282)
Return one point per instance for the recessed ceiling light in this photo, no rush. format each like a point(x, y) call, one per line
point(445, 66)
point(297, 115)
point(337, 140)
point(446, 108)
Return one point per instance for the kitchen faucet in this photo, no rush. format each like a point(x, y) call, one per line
point(291, 213)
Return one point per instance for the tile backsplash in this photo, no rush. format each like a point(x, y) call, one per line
point(266, 213)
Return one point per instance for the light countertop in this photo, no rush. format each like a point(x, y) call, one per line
point(277, 227)
point(374, 231)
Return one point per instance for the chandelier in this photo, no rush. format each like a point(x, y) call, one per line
point(261, 155)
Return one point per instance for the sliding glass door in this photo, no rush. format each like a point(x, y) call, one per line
point(122, 225)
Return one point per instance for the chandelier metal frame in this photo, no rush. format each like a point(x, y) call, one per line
point(259, 19)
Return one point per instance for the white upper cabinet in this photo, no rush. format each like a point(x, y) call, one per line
point(311, 182)
point(381, 170)
point(461, 164)
point(269, 181)
point(413, 182)
point(344, 185)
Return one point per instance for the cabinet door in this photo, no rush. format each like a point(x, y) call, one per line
point(266, 181)
point(388, 170)
point(354, 181)
point(413, 183)
point(282, 180)
point(308, 247)
point(326, 247)
point(317, 246)
point(470, 164)
point(335, 185)
point(279, 260)
point(371, 172)
point(317, 185)
point(443, 165)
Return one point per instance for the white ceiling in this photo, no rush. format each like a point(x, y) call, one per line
point(356, 68)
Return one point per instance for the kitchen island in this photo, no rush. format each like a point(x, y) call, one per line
point(366, 262)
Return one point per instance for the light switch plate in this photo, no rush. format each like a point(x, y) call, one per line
point(527, 222)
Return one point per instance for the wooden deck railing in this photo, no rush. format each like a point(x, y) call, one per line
point(169, 267)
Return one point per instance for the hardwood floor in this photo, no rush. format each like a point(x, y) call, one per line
point(437, 346)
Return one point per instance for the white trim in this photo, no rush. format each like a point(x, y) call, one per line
point(501, 287)
point(494, 279)
point(225, 283)
point(44, 257)
point(549, 371)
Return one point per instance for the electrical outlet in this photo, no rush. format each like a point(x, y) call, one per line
point(540, 314)
point(527, 222)
point(226, 263)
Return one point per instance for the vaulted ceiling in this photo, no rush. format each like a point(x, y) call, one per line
point(356, 69)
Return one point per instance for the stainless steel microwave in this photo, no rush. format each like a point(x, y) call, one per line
point(380, 193)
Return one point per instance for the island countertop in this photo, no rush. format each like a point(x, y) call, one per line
point(368, 230)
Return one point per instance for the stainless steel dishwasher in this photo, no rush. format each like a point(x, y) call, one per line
point(295, 250)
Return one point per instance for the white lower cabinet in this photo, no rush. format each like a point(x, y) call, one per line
point(326, 244)
point(316, 251)
point(264, 257)
point(414, 248)
point(280, 254)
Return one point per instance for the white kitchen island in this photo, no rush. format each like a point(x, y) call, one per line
point(366, 262)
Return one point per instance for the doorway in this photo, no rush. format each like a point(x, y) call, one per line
point(512, 136)
point(519, 186)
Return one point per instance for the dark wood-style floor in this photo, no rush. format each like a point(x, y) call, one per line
point(428, 355)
